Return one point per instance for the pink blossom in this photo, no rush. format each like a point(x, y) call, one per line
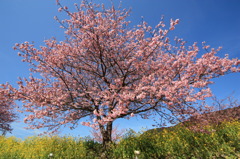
point(107, 69)
point(7, 115)
point(60, 9)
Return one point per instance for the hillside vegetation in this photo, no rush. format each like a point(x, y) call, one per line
point(216, 141)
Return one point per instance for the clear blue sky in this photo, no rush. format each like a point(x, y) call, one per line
point(215, 21)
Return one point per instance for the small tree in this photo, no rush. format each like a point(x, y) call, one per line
point(106, 70)
point(7, 115)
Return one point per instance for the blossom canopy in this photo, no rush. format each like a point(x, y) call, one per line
point(106, 69)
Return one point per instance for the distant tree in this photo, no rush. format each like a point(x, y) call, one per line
point(106, 69)
point(7, 115)
point(222, 110)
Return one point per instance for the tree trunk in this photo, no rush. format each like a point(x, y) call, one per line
point(107, 138)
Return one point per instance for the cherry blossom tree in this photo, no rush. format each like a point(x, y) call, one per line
point(106, 69)
point(7, 115)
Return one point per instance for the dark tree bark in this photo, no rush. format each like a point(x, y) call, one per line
point(107, 138)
